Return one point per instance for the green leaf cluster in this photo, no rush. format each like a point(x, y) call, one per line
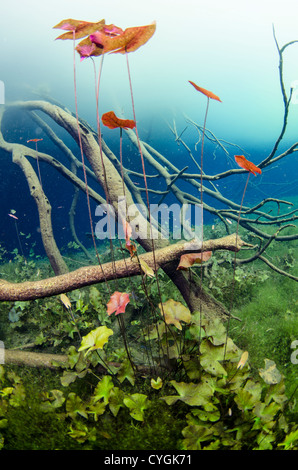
point(229, 408)
point(105, 397)
point(223, 406)
point(12, 393)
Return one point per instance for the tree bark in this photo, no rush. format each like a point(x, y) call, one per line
point(33, 359)
point(166, 258)
point(44, 212)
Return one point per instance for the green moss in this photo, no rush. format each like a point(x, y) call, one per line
point(269, 325)
point(30, 428)
point(161, 429)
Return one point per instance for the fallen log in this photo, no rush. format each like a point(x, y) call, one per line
point(89, 275)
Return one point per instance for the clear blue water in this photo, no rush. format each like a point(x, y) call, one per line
point(227, 47)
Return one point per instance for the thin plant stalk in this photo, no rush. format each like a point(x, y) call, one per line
point(234, 266)
point(201, 176)
point(19, 240)
point(146, 190)
point(81, 149)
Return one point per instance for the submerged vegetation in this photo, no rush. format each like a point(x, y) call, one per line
point(98, 400)
point(161, 344)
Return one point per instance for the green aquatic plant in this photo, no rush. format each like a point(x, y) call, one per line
point(137, 404)
point(15, 218)
point(96, 339)
point(251, 168)
point(217, 404)
point(229, 408)
point(103, 39)
point(269, 325)
point(12, 393)
point(247, 280)
point(221, 403)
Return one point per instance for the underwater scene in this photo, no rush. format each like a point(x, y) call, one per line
point(148, 227)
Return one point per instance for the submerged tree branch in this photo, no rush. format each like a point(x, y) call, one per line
point(89, 275)
point(108, 167)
